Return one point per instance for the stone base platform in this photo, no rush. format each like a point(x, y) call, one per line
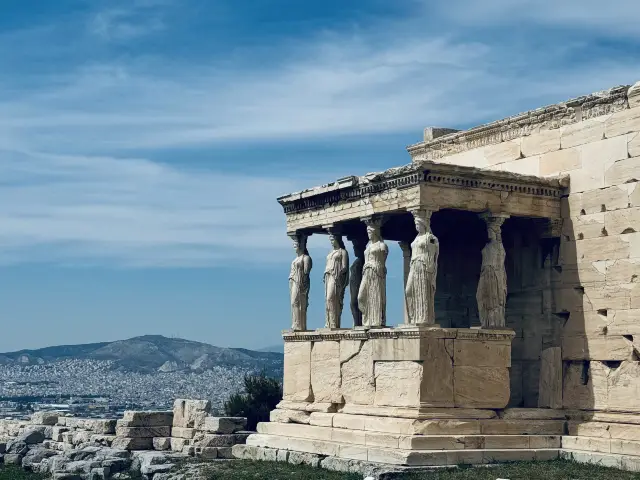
point(438, 437)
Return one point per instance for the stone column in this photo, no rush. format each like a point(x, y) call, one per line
point(406, 258)
point(421, 283)
point(299, 281)
point(355, 276)
point(336, 278)
point(372, 296)
point(492, 287)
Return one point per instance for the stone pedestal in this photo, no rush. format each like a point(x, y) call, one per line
point(414, 395)
point(411, 367)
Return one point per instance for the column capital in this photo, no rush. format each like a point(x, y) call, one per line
point(494, 217)
point(298, 236)
point(375, 220)
point(333, 228)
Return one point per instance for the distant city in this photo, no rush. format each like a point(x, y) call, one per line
point(99, 388)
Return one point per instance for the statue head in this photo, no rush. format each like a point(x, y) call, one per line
point(494, 232)
point(300, 244)
point(336, 241)
point(421, 225)
point(373, 232)
point(422, 221)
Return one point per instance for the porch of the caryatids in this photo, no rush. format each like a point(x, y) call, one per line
point(299, 281)
point(372, 295)
point(336, 278)
point(492, 287)
point(423, 270)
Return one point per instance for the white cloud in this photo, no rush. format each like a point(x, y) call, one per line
point(133, 212)
point(60, 201)
point(123, 21)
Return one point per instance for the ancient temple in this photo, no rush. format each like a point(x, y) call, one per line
point(520, 272)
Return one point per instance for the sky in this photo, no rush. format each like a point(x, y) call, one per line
point(143, 143)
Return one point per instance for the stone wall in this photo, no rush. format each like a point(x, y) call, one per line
point(147, 443)
point(586, 335)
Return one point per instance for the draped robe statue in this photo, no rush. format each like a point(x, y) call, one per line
point(336, 277)
point(372, 297)
point(299, 283)
point(421, 284)
point(355, 279)
point(492, 287)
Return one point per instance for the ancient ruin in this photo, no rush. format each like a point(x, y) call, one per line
point(521, 248)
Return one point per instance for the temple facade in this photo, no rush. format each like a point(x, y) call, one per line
point(521, 305)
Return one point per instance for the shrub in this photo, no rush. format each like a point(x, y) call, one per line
point(261, 395)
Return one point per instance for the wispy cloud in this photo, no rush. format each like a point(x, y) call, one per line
point(122, 21)
point(77, 183)
point(133, 212)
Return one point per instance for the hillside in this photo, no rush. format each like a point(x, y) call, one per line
point(152, 353)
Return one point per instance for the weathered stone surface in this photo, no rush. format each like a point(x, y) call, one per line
point(473, 353)
point(123, 443)
point(321, 419)
point(224, 424)
point(146, 419)
point(543, 142)
point(213, 440)
point(609, 348)
point(624, 387)
point(585, 385)
point(481, 387)
point(99, 426)
point(325, 372)
point(550, 387)
point(297, 372)
point(564, 160)
point(581, 133)
point(31, 436)
point(143, 432)
point(623, 171)
point(162, 443)
point(620, 123)
point(180, 432)
point(437, 377)
point(289, 416)
point(45, 418)
point(358, 380)
point(178, 444)
point(190, 413)
point(398, 383)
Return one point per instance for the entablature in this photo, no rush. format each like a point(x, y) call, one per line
point(429, 185)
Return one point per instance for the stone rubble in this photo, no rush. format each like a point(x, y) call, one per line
point(149, 444)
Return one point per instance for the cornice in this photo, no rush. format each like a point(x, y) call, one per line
point(546, 118)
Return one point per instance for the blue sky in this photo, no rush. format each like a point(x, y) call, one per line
point(143, 142)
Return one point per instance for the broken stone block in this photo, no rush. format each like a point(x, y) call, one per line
point(146, 419)
point(585, 385)
point(45, 418)
point(224, 424)
point(190, 413)
point(289, 416)
point(623, 387)
point(178, 444)
point(180, 432)
point(162, 443)
point(123, 443)
point(143, 432)
point(212, 440)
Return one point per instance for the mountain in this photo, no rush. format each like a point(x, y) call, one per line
point(152, 353)
point(273, 348)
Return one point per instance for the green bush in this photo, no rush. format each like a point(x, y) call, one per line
point(261, 395)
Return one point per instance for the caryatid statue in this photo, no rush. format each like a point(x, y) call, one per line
point(372, 296)
point(355, 278)
point(421, 284)
point(492, 287)
point(299, 283)
point(336, 278)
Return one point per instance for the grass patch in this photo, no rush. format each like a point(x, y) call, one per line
point(247, 470)
point(14, 473)
point(555, 470)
